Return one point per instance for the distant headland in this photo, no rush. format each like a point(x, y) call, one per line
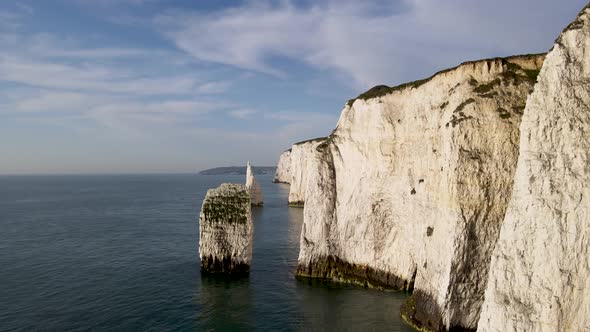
point(238, 170)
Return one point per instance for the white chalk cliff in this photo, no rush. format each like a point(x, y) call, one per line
point(299, 168)
point(254, 187)
point(539, 278)
point(283, 172)
point(225, 230)
point(411, 188)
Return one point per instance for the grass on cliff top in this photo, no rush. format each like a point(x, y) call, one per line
point(514, 74)
point(310, 140)
point(519, 75)
point(576, 24)
point(382, 90)
point(229, 207)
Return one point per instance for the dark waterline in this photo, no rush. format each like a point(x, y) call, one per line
point(119, 253)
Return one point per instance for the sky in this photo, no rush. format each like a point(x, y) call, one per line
point(166, 86)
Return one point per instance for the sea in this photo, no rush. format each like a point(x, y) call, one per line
point(120, 253)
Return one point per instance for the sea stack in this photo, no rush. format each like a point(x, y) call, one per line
point(253, 187)
point(225, 227)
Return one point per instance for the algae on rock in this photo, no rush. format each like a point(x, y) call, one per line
point(225, 230)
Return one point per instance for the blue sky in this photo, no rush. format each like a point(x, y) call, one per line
point(141, 86)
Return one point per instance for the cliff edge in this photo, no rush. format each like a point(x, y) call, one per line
point(410, 190)
point(539, 277)
point(283, 172)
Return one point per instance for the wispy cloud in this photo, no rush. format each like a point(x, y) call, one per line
point(113, 2)
point(60, 77)
point(221, 83)
point(13, 18)
point(243, 113)
point(371, 42)
point(93, 77)
point(296, 126)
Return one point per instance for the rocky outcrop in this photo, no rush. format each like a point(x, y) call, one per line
point(301, 154)
point(293, 168)
point(539, 278)
point(410, 190)
point(253, 187)
point(283, 172)
point(225, 230)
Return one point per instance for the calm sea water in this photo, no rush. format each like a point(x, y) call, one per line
point(120, 253)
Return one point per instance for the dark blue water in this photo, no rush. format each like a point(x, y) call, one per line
point(120, 253)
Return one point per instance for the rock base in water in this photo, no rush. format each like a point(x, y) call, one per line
point(225, 228)
point(225, 264)
point(333, 268)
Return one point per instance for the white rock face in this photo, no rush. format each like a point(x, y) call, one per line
point(411, 188)
point(253, 187)
point(301, 153)
point(225, 230)
point(283, 173)
point(539, 278)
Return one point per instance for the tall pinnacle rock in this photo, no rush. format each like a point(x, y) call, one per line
point(253, 187)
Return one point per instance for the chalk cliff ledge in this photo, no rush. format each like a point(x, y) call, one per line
point(539, 278)
point(410, 190)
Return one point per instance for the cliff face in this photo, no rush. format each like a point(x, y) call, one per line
point(225, 230)
point(253, 187)
point(539, 278)
point(411, 188)
point(300, 156)
point(283, 172)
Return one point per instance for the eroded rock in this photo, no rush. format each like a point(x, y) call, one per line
point(411, 188)
point(254, 187)
point(225, 230)
point(539, 278)
point(283, 172)
point(301, 155)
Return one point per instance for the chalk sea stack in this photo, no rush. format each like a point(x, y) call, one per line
point(225, 227)
point(253, 187)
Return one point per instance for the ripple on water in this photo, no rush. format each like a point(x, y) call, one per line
point(120, 253)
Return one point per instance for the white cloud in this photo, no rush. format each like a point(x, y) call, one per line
point(54, 102)
point(90, 77)
point(47, 76)
point(377, 42)
point(110, 3)
point(296, 126)
point(46, 60)
point(242, 113)
point(215, 87)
